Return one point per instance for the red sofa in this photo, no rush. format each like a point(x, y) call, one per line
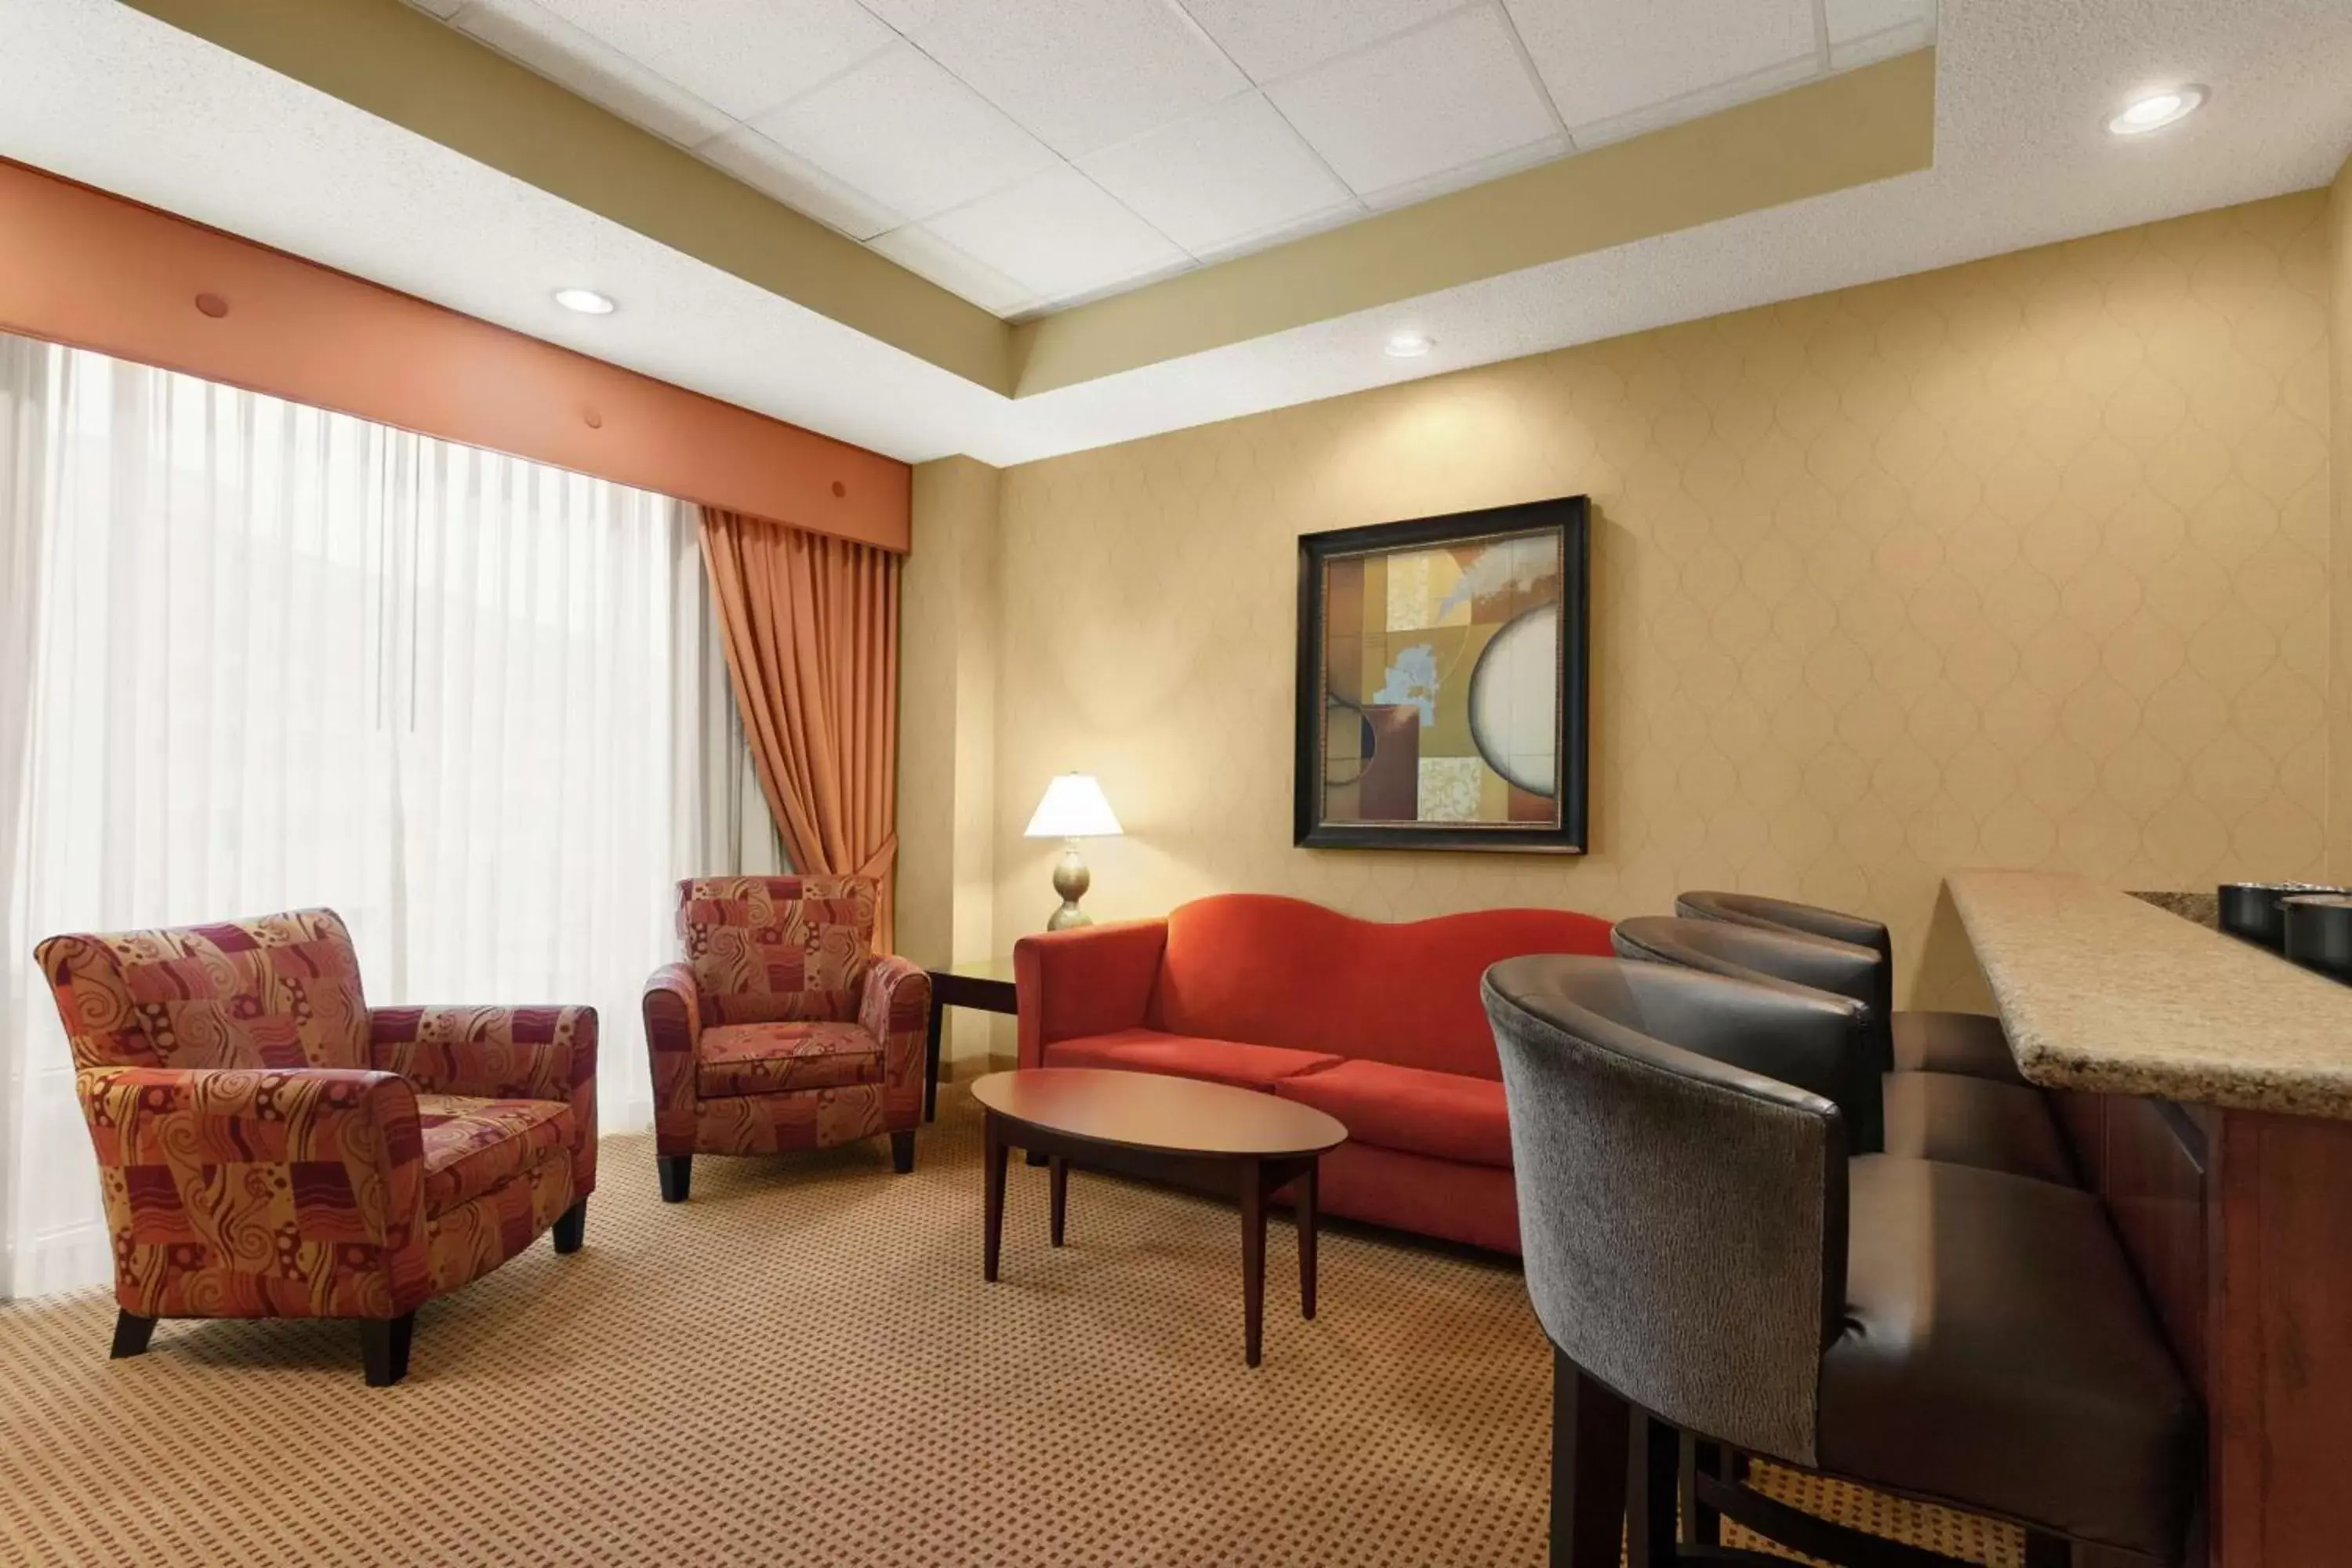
point(1379, 1025)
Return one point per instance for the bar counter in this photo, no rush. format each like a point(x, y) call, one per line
point(2205, 1087)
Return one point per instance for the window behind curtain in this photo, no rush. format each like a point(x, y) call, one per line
point(278, 658)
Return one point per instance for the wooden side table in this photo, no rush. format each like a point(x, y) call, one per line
point(986, 986)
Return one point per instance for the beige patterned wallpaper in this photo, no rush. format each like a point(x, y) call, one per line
point(2024, 564)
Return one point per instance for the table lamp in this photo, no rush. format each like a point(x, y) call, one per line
point(1074, 808)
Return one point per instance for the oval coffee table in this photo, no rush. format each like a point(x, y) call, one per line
point(1205, 1136)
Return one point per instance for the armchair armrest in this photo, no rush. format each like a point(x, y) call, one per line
point(496, 1053)
point(896, 1010)
point(499, 1053)
point(673, 1011)
point(1088, 981)
point(247, 1192)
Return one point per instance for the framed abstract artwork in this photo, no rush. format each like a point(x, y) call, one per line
point(1441, 682)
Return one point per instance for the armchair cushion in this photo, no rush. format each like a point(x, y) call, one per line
point(471, 1145)
point(768, 949)
point(496, 1053)
point(772, 1059)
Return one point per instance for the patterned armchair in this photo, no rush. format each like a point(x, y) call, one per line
point(269, 1145)
point(779, 1029)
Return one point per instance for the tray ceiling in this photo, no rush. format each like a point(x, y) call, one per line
point(1030, 155)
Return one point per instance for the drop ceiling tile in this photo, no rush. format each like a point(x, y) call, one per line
point(1401, 111)
point(800, 184)
point(1861, 31)
point(918, 250)
point(1603, 59)
point(1082, 76)
point(1058, 234)
point(901, 128)
point(1219, 177)
point(528, 33)
point(906, 15)
point(744, 56)
point(445, 9)
point(1270, 38)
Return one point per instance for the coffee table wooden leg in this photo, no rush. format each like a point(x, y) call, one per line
point(1061, 1183)
point(995, 1222)
point(1253, 1258)
point(1305, 1211)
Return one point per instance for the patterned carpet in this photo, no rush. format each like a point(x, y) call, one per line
point(802, 1365)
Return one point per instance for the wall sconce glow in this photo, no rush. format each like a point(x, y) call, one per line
point(2155, 110)
point(587, 301)
point(1408, 345)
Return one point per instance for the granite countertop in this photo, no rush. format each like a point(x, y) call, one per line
point(2104, 990)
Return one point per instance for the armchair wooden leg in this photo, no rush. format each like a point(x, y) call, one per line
point(676, 1176)
point(131, 1333)
point(902, 1151)
point(383, 1348)
point(571, 1227)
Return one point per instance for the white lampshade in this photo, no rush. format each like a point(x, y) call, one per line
point(1074, 807)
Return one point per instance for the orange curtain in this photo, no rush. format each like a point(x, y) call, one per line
point(812, 632)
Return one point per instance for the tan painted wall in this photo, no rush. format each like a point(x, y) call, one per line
point(2024, 564)
point(946, 727)
point(2339, 707)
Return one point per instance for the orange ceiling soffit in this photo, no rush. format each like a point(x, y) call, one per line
point(99, 272)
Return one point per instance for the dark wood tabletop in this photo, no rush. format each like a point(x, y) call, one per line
point(1154, 1112)
point(1208, 1137)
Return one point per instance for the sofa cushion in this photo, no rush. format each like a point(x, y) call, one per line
point(1444, 1114)
point(1189, 1056)
point(774, 1059)
point(471, 1145)
point(1281, 972)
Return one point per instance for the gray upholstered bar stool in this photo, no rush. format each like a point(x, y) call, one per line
point(1700, 1249)
point(1924, 1041)
point(1926, 1115)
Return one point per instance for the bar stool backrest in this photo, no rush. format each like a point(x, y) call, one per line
point(1683, 1215)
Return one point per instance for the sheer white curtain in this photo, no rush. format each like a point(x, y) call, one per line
point(254, 656)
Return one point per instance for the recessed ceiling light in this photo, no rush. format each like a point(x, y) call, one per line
point(1409, 345)
point(587, 301)
point(2155, 110)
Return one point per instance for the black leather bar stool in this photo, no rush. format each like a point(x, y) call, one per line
point(1924, 1115)
point(1712, 1267)
point(1968, 1042)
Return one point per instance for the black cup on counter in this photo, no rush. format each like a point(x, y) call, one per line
point(2319, 932)
point(2251, 910)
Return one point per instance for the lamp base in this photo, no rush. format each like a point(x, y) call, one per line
point(1071, 880)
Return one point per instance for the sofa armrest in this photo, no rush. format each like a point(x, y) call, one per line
point(499, 1053)
point(261, 1191)
point(896, 1010)
point(1090, 980)
point(673, 1010)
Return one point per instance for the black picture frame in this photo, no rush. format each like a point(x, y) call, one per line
point(1571, 516)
